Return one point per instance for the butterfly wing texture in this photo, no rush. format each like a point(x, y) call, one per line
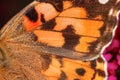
point(55, 39)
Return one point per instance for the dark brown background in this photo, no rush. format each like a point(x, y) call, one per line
point(8, 8)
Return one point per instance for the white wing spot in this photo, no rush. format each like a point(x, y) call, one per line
point(103, 1)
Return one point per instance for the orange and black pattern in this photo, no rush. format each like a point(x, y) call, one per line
point(58, 40)
point(61, 68)
point(80, 27)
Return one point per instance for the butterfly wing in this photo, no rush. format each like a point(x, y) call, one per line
point(76, 31)
point(23, 66)
point(65, 28)
point(67, 69)
point(35, 67)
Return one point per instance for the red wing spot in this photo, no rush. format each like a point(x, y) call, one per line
point(30, 25)
point(31, 19)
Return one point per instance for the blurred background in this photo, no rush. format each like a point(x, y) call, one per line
point(8, 8)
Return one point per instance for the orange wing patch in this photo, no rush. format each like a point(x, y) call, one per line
point(68, 26)
point(53, 39)
point(99, 70)
point(53, 72)
point(67, 4)
point(29, 25)
point(41, 14)
point(84, 44)
point(68, 69)
point(81, 26)
point(75, 12)
point(48, 10)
